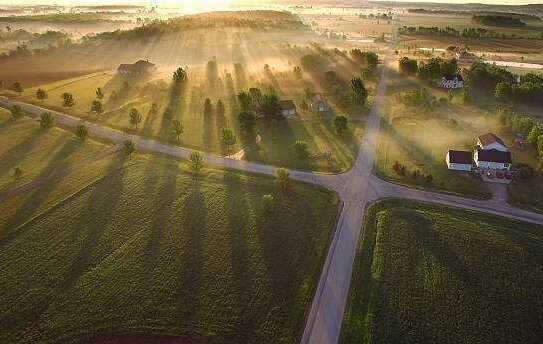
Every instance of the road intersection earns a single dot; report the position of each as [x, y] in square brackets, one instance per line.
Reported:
[357, 189]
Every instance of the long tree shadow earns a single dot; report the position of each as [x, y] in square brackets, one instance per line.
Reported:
[7, 124]
[12, 156]
[101, 209]
[58, 160]
[190, 280]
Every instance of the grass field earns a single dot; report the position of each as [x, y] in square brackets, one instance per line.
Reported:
[36, 151]
[148, 249]
[203, 132]
[420, 139]
[427, 274]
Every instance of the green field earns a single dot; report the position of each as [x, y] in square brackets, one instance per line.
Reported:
[36, 151]
[149, 249]
[428, 274]
[420, 139]
[203, 133]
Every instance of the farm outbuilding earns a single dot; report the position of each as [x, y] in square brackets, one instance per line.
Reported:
[459, 160]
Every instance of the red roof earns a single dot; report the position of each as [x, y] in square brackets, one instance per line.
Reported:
[490, 138]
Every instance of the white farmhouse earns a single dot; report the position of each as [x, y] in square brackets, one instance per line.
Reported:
[459, 160]
[490, 141]
[451, 81]
[492, 159]
[319, 104]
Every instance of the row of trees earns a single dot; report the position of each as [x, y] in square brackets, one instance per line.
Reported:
[465, 33]
[506, 86]
[435, 68]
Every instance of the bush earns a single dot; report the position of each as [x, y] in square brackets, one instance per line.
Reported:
[47, 120]
[267, 203]
[300, 148]
[340, 123]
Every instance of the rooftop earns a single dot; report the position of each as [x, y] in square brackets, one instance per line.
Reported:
[492, 155]
[460, 157]
[490, 138]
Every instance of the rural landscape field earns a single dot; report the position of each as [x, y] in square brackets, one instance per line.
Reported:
[228, 171]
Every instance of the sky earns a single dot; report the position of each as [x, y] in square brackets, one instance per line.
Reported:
[198, 3]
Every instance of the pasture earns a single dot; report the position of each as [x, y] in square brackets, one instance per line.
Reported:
[37, 151]
[431, 274]
[150, 249]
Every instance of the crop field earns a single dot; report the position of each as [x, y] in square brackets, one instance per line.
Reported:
[36, 151]
[420, 138]
[440, 275]
[150, 249]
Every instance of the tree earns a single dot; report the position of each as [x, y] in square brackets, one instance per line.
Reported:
[358, 90]
[196, 161]
[408, 66]
[282, 176]
[46, 120]
[129, 148]
[267, 203]
[17, 173]
[247, 120]
[537, 130]
[41, 94]
[220, 108]
[96, 107]
[153, 110]
[99, 93]
[269, 106]
[245, 101]
[467, 95]
[67, 99]
[540, 146]
[180, 76]
[18, 87]
[16, 111]
[82, 132]
[135, 117]
[228, 139]
[177, 129]
[341, 123]
[208, 107]
[300, 147]
[503, 91]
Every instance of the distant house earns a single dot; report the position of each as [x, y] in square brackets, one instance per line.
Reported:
[319, 104]
[288, 108]
[451, 81]
[459, 160]
[490, 141]
[492, 159]
[138, 68]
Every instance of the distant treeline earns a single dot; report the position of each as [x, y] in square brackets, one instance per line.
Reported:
[495, 20]
[257, 20]
[466, 32]
[34, 42]
[521, 16]
[60, 18]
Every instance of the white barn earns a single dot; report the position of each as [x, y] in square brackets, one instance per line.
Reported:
[459, 160]
[451, 81]
[492, 159]
[490, 141]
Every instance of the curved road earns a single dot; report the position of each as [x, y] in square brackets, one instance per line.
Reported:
[356, 188]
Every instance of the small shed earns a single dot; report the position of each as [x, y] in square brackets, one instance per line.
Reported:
[288, 108]
[319, 104]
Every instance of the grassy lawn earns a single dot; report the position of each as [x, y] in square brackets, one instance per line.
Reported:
[428, 274]
[36, 151]
[202, 131]
[420, 139]
[151, 250]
